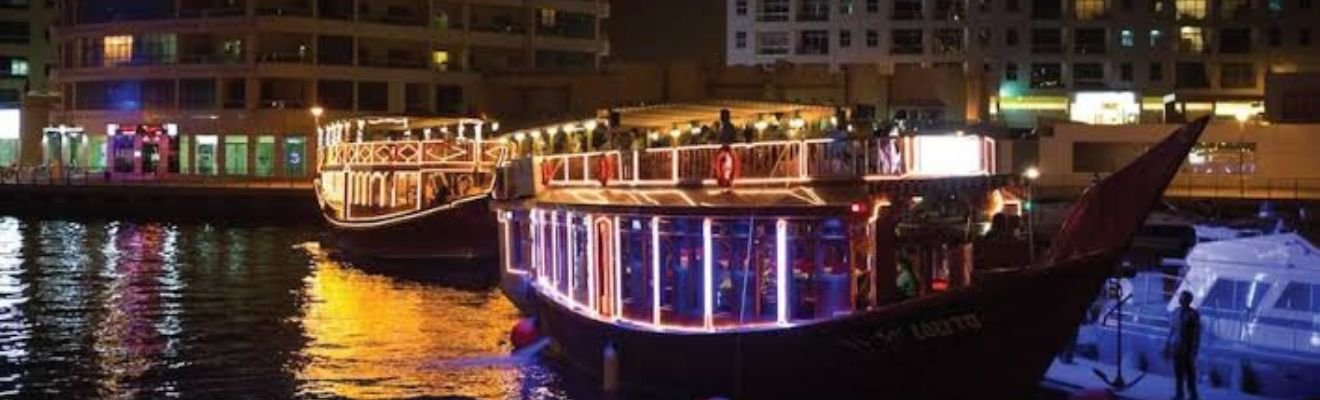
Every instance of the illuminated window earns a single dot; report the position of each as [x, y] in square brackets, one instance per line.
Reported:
[1104, 108]
[117, 50]
[846, 7]
[1191, 40]
[205, 154]
[265, 155]
[295, 156]
[236, 155]
[1156, 39]
[1191, 9]
[18, 67]
[1090, 9]
[549, 17]
[440, 59]
[1223, 158]
[1126, 38]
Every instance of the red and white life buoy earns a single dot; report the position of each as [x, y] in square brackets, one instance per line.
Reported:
[547, 172]
[604, 169]
[726, 166]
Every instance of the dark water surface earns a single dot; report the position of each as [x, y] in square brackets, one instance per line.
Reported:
[104, 309]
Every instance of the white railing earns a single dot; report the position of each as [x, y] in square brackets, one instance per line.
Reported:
[380, 181]
[760, 163]
[1188, 185]
[414, 153]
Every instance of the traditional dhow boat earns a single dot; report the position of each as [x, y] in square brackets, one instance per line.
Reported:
[773, 252]
[410, 188]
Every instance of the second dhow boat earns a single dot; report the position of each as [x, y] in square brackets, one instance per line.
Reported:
[403, 188]
[807, 263]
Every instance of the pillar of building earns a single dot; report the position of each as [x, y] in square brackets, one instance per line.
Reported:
[34, 117]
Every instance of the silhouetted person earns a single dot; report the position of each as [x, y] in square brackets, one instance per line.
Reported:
[1183, 341]
[728, 133]
[906, 281]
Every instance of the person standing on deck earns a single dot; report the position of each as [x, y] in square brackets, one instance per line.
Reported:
[1182, 344]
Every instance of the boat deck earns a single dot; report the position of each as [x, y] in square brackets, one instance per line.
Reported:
[1080, 376]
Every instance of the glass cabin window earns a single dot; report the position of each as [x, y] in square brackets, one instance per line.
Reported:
[1235, 295]
[1299, 296]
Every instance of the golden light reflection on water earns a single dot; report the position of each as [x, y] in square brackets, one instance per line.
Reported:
[372, 336]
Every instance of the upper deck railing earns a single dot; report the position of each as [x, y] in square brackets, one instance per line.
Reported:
[773, 162]
[459, 154]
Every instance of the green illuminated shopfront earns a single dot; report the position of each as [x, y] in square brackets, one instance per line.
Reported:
[154, 151]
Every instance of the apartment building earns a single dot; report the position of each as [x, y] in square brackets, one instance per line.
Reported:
[153, 88]
[27, 55]
[1092, 61]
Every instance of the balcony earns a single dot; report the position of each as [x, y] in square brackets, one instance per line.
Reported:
[770, 163]
[393, 54]
[285, 8]
[393, 12]
[506, 20]
[290, 49]
[211, 9]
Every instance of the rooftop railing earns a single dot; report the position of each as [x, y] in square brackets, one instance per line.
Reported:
[763, 163]
[461, 153]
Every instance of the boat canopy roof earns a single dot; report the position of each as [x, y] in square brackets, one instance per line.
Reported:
[1287, 251]
[664, 118]
[360, 128]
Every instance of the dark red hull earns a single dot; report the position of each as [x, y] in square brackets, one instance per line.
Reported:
[990, 341]
[466, 232]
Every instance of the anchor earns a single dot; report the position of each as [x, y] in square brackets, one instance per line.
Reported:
[1119, 384]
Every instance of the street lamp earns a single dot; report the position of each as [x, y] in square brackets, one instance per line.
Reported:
[317, 111]
[1032, 173]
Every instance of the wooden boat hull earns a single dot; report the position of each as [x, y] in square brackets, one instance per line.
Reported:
[990, 341]
[468, 231]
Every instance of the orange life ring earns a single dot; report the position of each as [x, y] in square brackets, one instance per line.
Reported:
[604, 169]
[547, 172]
[726, 166]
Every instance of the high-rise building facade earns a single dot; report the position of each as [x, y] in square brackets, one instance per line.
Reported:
[27, 55]
[1093, 61]
[227, 87]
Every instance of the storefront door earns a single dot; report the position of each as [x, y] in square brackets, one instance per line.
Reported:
[122, 154]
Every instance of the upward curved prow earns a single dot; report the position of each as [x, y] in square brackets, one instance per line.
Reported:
[1104, 219]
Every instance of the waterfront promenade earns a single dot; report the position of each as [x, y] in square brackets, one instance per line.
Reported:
[41, 192]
